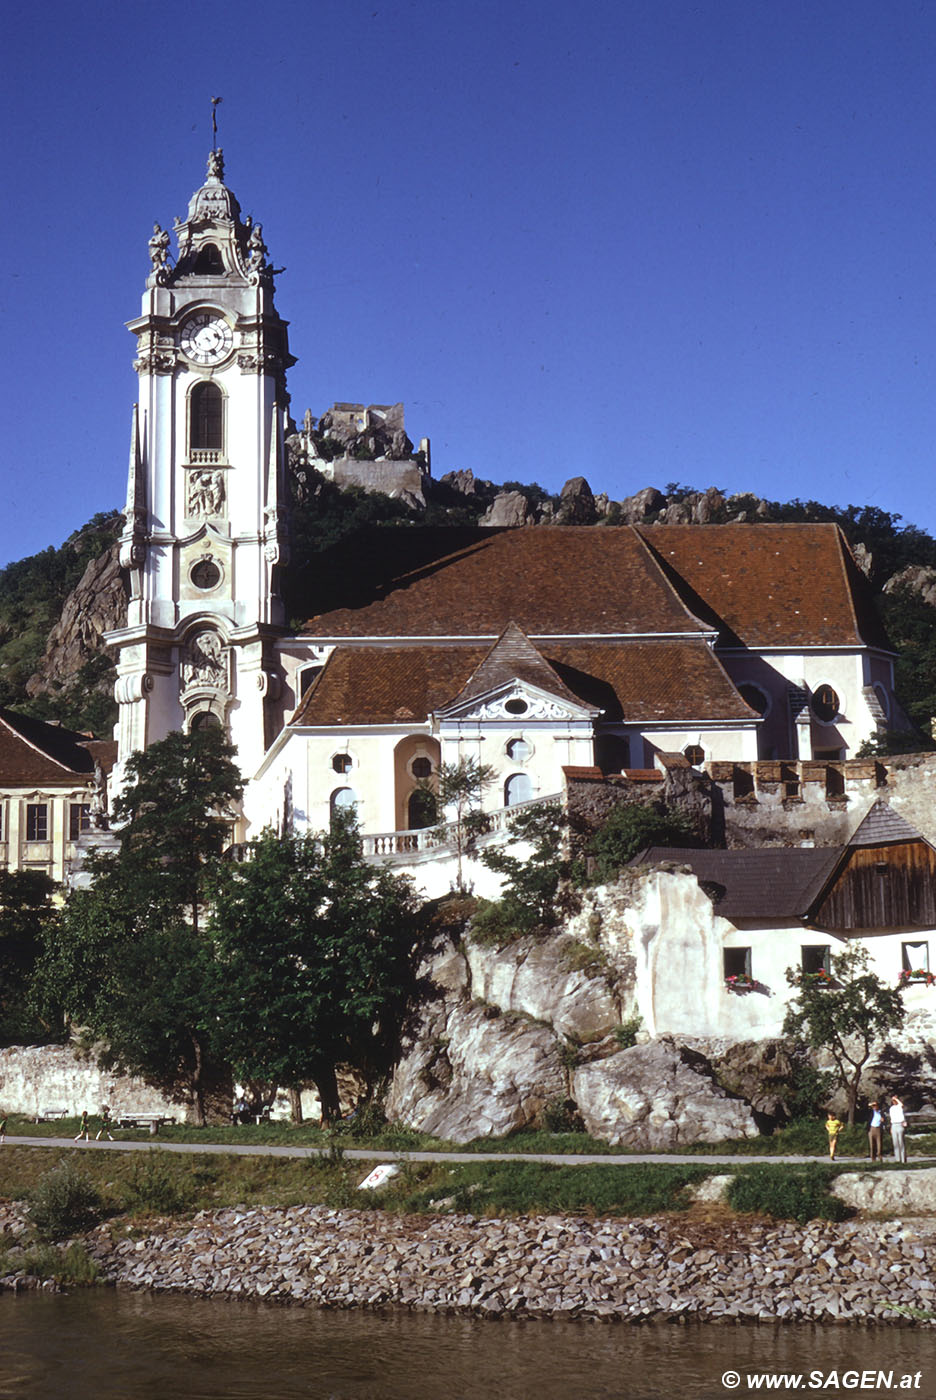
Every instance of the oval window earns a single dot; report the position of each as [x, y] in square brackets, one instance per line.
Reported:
[825, 704]
[516, 706]
[205, 574]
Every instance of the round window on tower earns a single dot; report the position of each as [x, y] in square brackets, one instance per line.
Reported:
[825, 703]
[205, 575]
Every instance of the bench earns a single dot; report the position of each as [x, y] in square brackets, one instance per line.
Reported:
[152, 1121]
[52, 1115]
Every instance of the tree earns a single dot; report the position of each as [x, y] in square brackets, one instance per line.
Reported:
[531, 897]
[846, 1013]
[459, 787]
[631, 828]
[316, 953]
[128, 962]
[26, 912]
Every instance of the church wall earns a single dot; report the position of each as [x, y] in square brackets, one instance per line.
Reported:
[718, 744]
[775, 672]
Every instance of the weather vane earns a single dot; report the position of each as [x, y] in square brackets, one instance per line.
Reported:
[214, 120]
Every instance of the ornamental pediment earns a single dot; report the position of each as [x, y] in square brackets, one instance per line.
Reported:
[519, 702]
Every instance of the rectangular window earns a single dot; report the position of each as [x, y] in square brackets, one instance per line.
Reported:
[816, 959]
[79, 819]
[37, 821]
[737, 962]
[914, 957]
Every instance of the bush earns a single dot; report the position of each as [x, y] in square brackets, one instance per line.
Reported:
[154, 1187]
[786, 1193]
[630, 829]
[63, 1203]
[626, 1033]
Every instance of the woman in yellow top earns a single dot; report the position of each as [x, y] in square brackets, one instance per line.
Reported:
[833, 1127]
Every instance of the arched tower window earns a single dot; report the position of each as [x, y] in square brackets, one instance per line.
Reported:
[206, 417]
[208, 261]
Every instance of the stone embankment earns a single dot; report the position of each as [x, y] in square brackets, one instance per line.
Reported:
[553, 1266]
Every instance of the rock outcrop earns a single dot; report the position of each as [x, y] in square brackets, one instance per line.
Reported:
[653, 1097]
[96, 605]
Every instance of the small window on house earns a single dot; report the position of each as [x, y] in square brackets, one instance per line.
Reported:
[914, 957]
[737, 962]
[342, 763]
[206, 417]
[825, 703]
[307, 675]
[518, 788]
[815, 958]
[79, 819]
[421, 767]
[695, 754]
[37, 821]
[421, 810]
[517, 706]
[519, 750]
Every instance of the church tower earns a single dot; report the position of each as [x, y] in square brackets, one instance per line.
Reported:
[205, 532]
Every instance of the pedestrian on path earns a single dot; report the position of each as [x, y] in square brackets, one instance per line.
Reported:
[84, 1129]
[833, 1127]
[2, 1128]
[898, 1124]
[105, 1125]
[876, 1133]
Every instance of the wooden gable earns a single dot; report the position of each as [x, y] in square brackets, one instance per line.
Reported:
[888, 886]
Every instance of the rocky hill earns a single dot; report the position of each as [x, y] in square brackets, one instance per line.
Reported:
[55, 606]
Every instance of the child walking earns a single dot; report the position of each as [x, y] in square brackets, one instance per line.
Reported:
[84, 1130]
[105, 1125]
[833, 1127]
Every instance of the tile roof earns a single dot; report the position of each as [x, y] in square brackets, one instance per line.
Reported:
[550, 580]
[33, 753]
[778, 882]
[639, 682]
[513, 657]
[882, 825]
[770, 585]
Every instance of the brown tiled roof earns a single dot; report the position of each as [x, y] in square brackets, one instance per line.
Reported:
[632, 681]
[643, 682]
[513, 657]
[770, 585]
[552, 581]
[386, 685]
[35, 753]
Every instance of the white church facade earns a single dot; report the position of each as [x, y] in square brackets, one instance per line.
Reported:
[530, 650]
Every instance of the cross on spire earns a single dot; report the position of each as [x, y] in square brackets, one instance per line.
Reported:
[214, 120]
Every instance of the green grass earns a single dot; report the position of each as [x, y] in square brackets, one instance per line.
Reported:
[786, 1192]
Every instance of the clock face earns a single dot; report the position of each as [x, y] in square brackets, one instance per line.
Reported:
[206, 338]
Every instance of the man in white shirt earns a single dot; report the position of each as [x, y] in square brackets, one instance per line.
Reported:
[898, 1121]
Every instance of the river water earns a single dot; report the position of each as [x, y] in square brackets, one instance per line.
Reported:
[132, 1346]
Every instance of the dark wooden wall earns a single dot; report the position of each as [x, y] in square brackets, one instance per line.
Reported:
[881, 887]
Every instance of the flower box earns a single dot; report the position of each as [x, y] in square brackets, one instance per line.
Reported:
[918, 974]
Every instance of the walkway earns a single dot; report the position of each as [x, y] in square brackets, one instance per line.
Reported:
[379, 1154]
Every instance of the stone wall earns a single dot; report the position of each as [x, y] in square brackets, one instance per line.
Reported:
[34, 1078]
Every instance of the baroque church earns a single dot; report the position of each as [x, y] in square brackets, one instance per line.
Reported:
[533, 650]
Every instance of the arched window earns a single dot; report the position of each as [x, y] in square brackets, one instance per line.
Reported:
[518, 788]
[421, 810]
[208, 261]
[204, 719]
[206, 417]
[343, 799]
[307, 675]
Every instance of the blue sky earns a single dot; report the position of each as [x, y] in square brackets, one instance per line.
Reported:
[643, 242]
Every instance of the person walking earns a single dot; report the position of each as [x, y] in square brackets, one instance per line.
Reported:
[105, 1125]
[898, 1124]
[833, 1127]
[3, 1118]
[876, 1132]
[84, 1128]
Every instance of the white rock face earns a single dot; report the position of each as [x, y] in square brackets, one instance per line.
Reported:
[648, 1097]
[533, 976]
[474, 1073]
[37, 1077]
[889, 1193]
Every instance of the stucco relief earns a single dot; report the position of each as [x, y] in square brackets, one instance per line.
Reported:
[204, 662]
[206, 493]
[534, 707]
